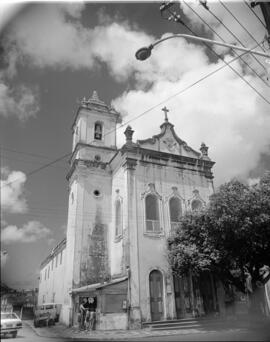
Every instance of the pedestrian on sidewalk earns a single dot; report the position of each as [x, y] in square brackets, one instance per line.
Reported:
[83, 309]
[90, 316]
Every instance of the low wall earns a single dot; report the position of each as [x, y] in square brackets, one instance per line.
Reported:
[65, 315]
[112, 321]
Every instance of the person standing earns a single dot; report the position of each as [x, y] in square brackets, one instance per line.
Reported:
[83, 308]
[91, 313]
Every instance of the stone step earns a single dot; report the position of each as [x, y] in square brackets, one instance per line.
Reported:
[185, 323]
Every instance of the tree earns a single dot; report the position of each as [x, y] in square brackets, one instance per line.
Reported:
[231, 237]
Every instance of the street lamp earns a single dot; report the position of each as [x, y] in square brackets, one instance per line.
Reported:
[145, 52]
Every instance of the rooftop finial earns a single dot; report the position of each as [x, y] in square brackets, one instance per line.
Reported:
[165, 110]
[95, 96]
[129, 133]
[204, 149]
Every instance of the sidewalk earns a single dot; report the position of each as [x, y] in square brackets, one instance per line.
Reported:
[60, 330]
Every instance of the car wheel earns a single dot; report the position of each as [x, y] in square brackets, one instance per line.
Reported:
[14, 334]
[50, 322]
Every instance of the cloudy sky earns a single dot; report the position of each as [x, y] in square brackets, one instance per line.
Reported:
[54, 54]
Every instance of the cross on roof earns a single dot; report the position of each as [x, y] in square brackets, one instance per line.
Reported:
[165, 110]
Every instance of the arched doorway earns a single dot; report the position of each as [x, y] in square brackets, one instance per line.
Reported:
[156, 295]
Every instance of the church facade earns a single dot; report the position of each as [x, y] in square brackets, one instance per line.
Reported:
[123, 205]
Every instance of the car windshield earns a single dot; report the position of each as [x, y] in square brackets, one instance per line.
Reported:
[8, 316]
[49, 307]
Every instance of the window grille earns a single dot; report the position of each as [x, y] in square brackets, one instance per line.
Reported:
[152, 214]
[196, 205]
[175, 212]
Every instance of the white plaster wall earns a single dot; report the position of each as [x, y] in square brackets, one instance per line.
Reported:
[113, 321]
[116, 246]
[55, 282]
[70, 246]
[152, 250]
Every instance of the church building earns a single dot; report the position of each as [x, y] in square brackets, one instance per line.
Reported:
[123, 205]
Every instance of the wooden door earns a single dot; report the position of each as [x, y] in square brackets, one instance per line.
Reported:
[156, 295]
[208, 293]
[182, 294]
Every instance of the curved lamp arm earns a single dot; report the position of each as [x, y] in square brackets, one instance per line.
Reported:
[145, 52]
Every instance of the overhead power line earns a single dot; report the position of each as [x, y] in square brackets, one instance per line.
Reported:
[239, 41]
[38, 169]
[195, 12]
[243, 27]
[235, 71]
[138, 116]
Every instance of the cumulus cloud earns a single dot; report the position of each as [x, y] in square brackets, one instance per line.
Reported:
[12, 191]
[20, 101]
[30, 232]
[223, 111]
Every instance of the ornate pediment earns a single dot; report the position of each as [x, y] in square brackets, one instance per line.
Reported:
[167, 141]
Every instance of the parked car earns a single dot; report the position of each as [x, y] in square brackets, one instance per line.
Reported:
[47, 313]
[10, 323]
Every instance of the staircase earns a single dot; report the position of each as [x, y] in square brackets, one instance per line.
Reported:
[188, 323]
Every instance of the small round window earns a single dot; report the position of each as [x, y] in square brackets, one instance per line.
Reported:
[96, 193]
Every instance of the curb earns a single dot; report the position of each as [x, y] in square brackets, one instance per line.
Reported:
[128, 337]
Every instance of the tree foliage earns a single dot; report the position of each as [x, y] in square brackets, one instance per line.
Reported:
[231, 237]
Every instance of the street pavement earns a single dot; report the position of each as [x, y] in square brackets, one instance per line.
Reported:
[27, 334]
[59, 332]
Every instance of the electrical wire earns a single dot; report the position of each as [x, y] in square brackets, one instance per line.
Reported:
[235, 71]
[224, 41]
[230, 31]
[30, 162]
[26, 153]
[263, 24]
[38, 169]
[162, 102]
[243, 27]
[140, 115]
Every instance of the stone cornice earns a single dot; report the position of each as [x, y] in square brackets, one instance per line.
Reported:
[130, 164]
[81, 145]
[58, 248]
[90, 164]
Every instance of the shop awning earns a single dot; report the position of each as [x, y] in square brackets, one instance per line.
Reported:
[93, 287]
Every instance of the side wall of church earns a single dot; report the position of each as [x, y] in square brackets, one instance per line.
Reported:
[51, 284]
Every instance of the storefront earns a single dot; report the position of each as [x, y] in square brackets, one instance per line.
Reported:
[111, 303]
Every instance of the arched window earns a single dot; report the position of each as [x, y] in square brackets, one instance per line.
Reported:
[98, 131]
[118, 218]
[152, 213]
[175, 209]
[196, 205]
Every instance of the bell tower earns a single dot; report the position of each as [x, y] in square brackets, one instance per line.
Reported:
[95, 124]
[89, 208]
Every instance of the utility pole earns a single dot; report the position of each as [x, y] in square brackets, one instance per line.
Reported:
[265, 8]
